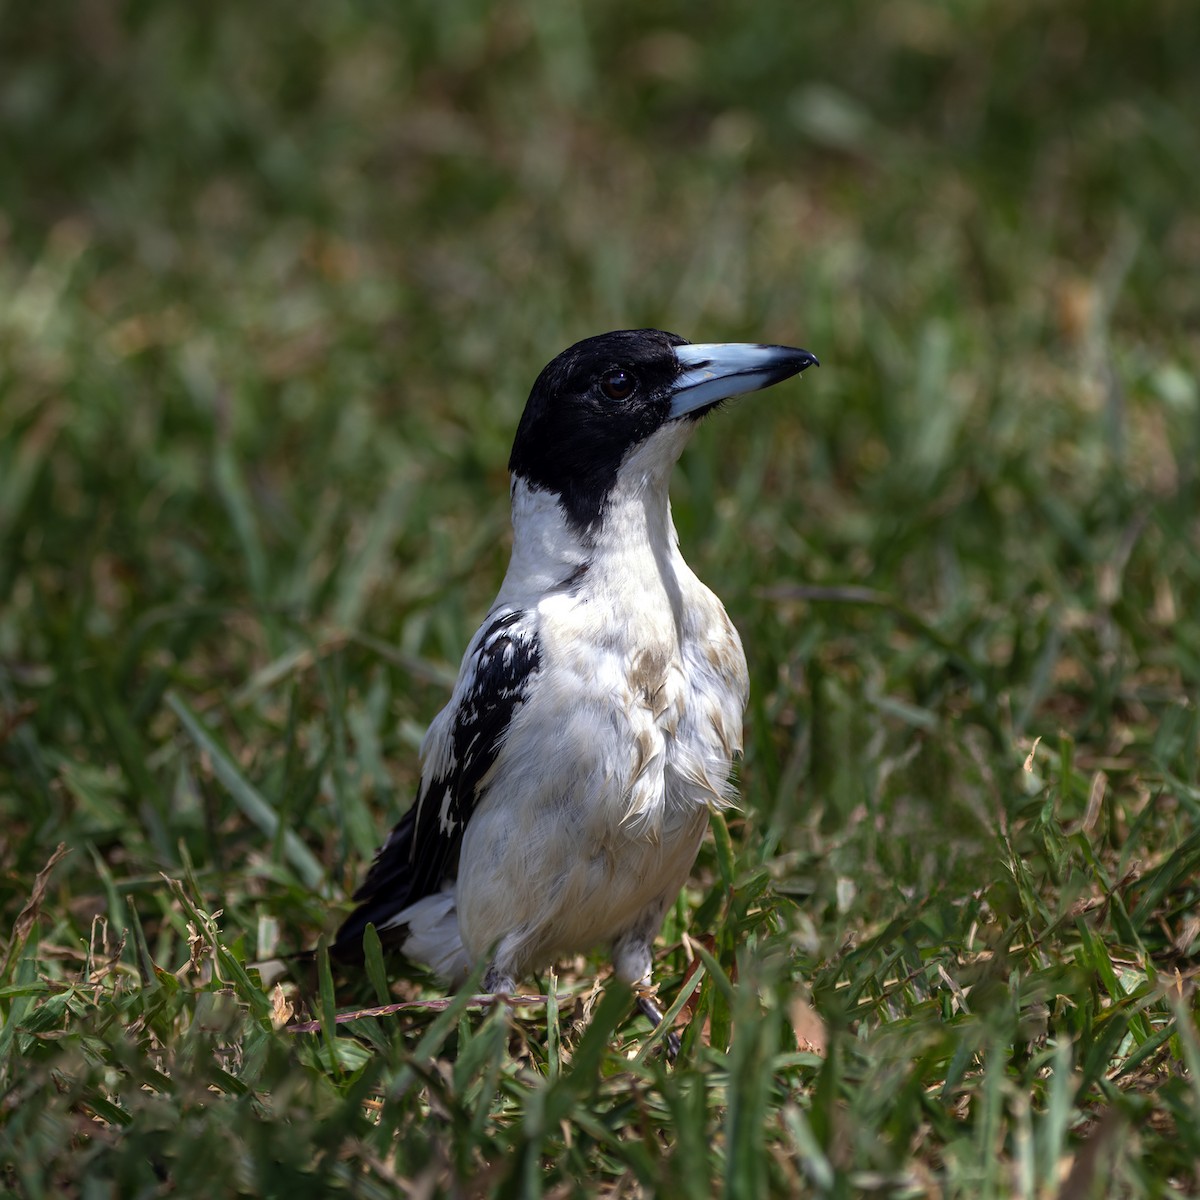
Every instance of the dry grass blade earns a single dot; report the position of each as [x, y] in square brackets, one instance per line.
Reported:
[33, 907]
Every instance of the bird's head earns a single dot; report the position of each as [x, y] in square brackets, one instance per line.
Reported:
[604, 398]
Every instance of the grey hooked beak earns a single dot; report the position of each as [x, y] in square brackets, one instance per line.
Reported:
[714, 371]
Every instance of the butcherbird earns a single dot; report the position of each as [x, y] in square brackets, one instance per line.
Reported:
[566, 786]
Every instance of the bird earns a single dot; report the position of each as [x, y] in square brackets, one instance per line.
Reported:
[566, 787]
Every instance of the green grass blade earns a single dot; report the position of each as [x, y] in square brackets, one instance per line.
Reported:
[246, 796]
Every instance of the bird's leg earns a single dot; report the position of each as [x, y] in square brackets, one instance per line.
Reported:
[633, 963]
[647, 1002]
[497, 983]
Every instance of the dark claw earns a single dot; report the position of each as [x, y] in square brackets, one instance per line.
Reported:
[671, 1043]
[654, 1014]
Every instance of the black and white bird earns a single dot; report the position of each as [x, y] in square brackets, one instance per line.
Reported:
[566, 786]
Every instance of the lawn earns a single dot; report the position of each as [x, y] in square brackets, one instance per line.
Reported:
[274, 283]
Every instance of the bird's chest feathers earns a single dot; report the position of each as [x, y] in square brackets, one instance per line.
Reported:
[642, 681]
[652, 684]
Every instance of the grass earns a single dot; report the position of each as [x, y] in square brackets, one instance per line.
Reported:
[274, 283]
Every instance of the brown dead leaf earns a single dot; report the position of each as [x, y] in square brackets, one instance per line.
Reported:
[810, 1029]
[33, 906]
[281, 1008]
[1075, 302]
[1032, 752]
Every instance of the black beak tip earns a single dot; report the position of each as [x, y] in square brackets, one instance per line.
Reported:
[794, 361]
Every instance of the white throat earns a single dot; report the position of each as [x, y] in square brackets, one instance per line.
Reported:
[635, 523]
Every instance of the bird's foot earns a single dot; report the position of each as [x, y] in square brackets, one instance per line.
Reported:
[647, 1002]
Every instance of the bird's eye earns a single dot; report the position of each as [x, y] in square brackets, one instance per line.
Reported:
[618, 384]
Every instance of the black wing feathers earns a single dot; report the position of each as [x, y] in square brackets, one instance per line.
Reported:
[421, 852]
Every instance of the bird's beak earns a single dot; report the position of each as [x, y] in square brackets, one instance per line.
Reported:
[714, 371]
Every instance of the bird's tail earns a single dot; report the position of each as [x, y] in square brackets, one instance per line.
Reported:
[425, 932]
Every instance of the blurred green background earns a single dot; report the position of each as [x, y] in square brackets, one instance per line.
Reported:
[274, 283]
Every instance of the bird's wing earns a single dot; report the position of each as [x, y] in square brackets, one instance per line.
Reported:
[421, 853]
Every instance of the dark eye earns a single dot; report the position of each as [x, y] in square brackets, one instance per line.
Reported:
[618, 384]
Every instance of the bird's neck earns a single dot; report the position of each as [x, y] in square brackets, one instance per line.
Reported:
[634, 536]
